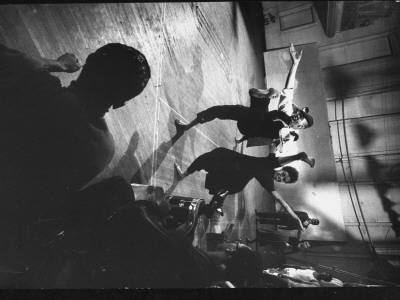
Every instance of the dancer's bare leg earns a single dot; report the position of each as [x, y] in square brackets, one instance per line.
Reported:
[270, 93]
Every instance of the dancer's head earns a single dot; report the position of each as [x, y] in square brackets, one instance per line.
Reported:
[287, 174]
[301, 119]
[112, 75]
[324, 276]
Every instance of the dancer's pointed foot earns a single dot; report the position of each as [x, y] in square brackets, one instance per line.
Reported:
[312, 162]
[179, 171]
[262, 94]
[309, 160]
[180, 127]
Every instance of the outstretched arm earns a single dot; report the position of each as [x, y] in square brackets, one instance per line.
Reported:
[284, 160]
[286, 207]
[21, 62]
[286, 99]
[296, 57]
[67, 62]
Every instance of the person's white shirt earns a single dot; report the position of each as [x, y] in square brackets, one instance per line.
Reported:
[286, 101]
[300, 274]
[304, 275]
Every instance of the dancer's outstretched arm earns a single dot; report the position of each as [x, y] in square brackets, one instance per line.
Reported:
[286, 99]
[296, 57]
[284, 160]
[286, 207]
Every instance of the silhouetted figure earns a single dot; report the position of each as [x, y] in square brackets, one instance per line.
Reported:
[143, 254]
[119, 242]
[54, 138]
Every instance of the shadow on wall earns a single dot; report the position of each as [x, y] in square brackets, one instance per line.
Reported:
[254, 21]
[128, 159]
[235, 7]
[340, 83]
[376, 169]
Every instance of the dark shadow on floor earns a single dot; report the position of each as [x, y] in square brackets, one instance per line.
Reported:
[192, 82]
[129, 159]
[160, 153]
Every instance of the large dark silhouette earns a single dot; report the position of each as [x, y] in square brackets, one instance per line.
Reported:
[54, 138]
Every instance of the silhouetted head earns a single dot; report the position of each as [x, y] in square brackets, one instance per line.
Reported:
[314, 221]
[112, 75]
[287, 174]
[244, 267]
[324, 276]
[301, 119]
